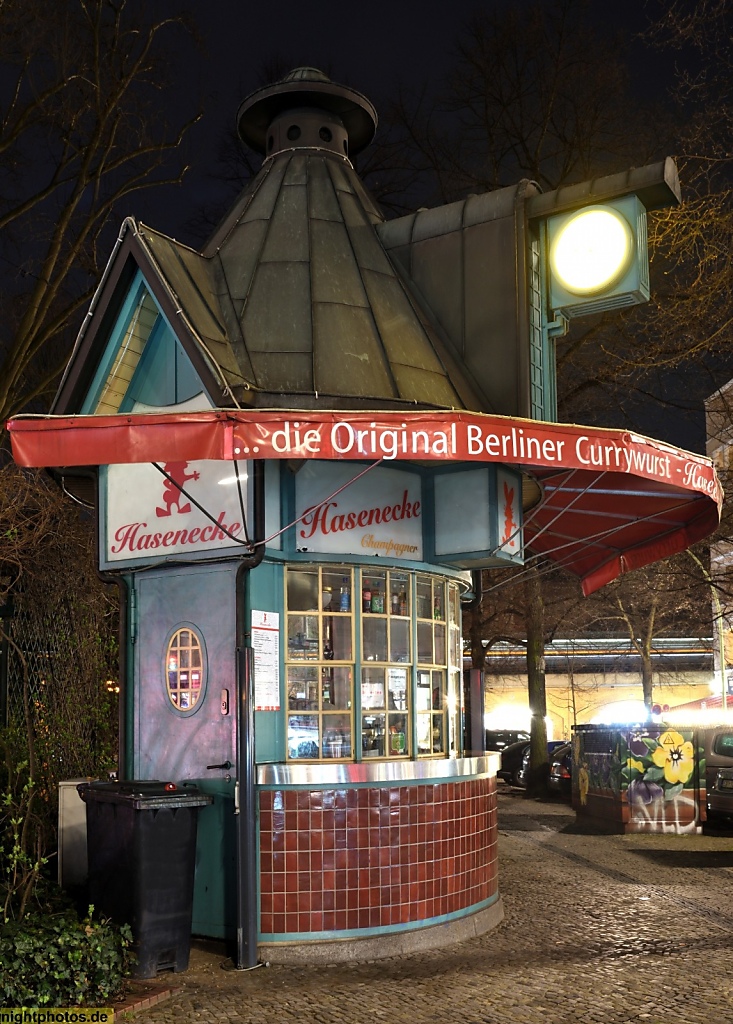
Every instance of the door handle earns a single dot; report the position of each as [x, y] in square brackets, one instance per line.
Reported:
[226, 766]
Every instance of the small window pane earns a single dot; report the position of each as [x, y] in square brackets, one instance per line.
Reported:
[302, 637]
[425, 643]
[439, 632]
[438, 600]
[303, 736]
[302, 688]
[397, 688]
[336, 736]
[399, 640]
[438, 734]
[455, 645]
[398, 746]
[424, 693]
[424, 597]
[373, 692]
[339, 586]
[424, 734]
[399, 593]
[455, 607]
[341, 638]
[373, 593]
[336, 688]
[372, 735]
[438, 690]
[303, 595]
[375, 639]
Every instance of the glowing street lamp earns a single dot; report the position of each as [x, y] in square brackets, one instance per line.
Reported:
[587, 253]
[597, 258]
[591, 250]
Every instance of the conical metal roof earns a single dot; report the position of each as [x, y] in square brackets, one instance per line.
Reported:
[294, 300]
[312, 302]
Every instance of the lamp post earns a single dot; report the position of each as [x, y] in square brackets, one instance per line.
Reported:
[719, 618]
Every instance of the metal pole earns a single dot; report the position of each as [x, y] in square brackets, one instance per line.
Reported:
[246, 830]
[719, 617]
[246, 810]
[721, 647]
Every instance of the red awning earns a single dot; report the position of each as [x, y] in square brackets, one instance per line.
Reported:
[712, 702]
[612, 501]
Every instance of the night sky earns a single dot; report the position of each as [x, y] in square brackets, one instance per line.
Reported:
[376, 47]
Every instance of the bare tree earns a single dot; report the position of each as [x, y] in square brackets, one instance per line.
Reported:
[666, 599]
[685, 332]
[534, 92]
[82, 128]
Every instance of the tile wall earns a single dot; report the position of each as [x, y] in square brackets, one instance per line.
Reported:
[368, 858]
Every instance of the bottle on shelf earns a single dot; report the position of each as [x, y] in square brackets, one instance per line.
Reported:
[344, 596]
[403, 602]
[366, 597]
[327, 645]
[377, 600]
[326, 686]
[395, 603]
[397, 739]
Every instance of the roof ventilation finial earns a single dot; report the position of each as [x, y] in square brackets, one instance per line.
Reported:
[306, 88]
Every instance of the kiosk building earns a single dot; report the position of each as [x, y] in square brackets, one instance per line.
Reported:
[304, 438]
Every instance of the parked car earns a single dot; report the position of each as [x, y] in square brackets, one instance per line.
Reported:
[720, 795]
[717, 743]
[499, 739]
[511, 762]
[515, 761]
[561, 771]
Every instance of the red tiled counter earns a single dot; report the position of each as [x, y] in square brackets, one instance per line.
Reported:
[363, 853]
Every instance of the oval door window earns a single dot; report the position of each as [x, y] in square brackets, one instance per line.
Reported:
[185, 668]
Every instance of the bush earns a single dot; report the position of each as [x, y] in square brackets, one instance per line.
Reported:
[24, 830]
[59, 960]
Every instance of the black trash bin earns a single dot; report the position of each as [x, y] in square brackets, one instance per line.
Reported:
[141, 841]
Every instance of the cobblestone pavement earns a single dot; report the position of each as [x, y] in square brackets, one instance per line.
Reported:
[607, 929]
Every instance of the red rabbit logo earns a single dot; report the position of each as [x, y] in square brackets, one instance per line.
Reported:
[510, 526]
[172, 488]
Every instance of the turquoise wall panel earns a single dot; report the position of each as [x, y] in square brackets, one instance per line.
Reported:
[266, 595]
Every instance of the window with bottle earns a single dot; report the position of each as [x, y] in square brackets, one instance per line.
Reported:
[320, 669]
[386, 663]
[406, 656]
[431, 692]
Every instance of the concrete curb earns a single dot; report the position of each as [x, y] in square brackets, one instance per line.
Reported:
[379, 947]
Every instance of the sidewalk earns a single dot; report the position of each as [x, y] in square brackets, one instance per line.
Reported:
[607, 929]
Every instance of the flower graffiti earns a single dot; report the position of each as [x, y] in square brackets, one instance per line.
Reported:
[645, 779]
[658, 767]
[675, 756]
[643, 792]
